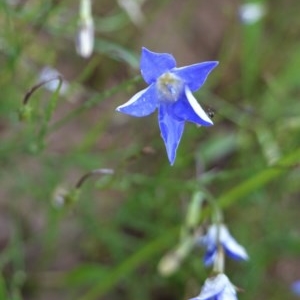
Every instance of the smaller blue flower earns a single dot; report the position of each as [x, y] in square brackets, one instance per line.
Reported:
[217, 288]
[170, 91]
[295, 287]
[220, 234]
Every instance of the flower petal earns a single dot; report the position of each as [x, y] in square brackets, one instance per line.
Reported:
[213, 287]
[195, 75]
[141, 104]
[229, 293]
[155, 64]
[187, 108]
[171, 130]
[295, 287]
[231, 246]
[210, 256]
[234, 250]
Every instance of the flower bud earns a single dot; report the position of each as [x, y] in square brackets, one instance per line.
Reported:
[85, 34]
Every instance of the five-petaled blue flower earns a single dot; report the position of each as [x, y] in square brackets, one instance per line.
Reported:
[217, 288]
[219, 234]
[170, 90]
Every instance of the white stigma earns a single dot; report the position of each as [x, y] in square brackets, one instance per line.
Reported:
[169, 87]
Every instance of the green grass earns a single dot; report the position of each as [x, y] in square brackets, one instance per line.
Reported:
[108, 242]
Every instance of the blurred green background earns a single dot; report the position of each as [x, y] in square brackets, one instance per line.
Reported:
[108, 244]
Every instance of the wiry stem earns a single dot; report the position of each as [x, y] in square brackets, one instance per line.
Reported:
[40, 84]
[92, 173]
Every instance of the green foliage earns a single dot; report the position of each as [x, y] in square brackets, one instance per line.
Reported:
[109, 241]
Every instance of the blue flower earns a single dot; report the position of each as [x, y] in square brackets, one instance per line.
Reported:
[170, 91]
[217, 288]
[295, 287]
[219, 234]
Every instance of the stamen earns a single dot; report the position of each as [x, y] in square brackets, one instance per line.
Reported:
[169, 87]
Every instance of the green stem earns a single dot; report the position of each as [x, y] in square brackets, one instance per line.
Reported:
[217, 212]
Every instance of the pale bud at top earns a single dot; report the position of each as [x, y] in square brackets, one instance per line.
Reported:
[85, 34]
[251, 13]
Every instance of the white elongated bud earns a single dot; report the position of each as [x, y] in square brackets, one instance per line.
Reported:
[86, 31]
[250, 13]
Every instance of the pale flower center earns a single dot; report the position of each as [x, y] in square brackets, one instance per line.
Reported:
[169, 87]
